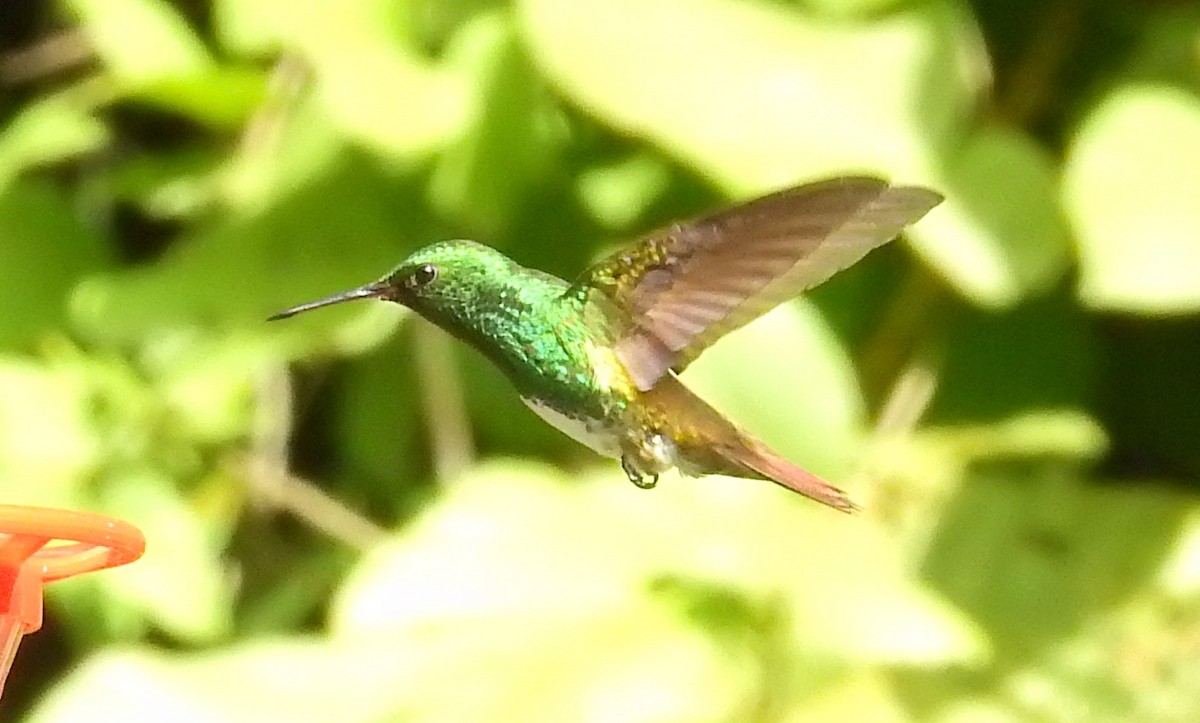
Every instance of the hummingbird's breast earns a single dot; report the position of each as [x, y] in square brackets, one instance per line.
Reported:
[598, 434]
[586, 393]
[566, 372]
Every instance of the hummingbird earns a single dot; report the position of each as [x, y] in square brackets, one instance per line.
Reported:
[599, 357]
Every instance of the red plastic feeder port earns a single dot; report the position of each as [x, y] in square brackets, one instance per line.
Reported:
[39, 545]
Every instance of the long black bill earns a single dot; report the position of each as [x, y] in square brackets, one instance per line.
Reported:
[375, 289]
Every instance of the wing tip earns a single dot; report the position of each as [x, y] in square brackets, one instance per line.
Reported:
[911, 201]
[918, 199]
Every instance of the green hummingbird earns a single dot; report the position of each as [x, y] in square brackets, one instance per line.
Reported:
[598, 358]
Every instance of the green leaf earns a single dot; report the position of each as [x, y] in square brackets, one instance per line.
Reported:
[857, 697]
[634, 665]
[378, 421]
[1131, 194]
[577, 608]
[1001, 235]
[220, 97]
[207, 386]
[842, 582]
[294, 680]
[852, 8]
[1091, 676]
[45, 250]
[317, 28]
[47, 446]
[1058, 433]
[140, 41]
[484, 553]
[493, 523]
[172, 184]
[56, 127]
[989, 373]
[391, 104]
[1024, 554]
[631, 667]
[334, 232]
[482, 180]
[376, 88]
[181, 584]
[617, 194]
[757, 97]
[802, 398]
[1180, 574]
[1166, 52]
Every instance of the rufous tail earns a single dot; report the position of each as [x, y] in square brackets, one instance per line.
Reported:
[756, 456]
[714, 445]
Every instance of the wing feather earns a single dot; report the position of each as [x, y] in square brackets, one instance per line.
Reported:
[687, 285]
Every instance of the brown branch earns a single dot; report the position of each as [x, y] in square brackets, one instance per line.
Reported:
[52, 54]
[272, 486]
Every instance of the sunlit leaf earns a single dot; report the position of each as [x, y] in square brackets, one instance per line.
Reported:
[1130, 184]
[1131, 663]
[391, 104]
[180, 584]
[57, 127]
[301, 146]
[1001, 236]
[1060, 433]
[482, 553]
[220, 97]
[851, 8]
[757, 96]
[496, 525]
[802, 397]
[140, 41]
[317, 27]
[1023, 555]
[842, 581]
[46, 443]
[486, 572]
[975, 708]
[623, 668]
[616, 194]
[1180, 574]
[210, 387]
[294, 680]
[376, 88]
[858, 697]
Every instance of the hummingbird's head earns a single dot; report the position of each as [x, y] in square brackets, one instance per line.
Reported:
[439, 280]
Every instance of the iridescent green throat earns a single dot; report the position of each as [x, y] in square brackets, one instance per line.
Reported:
[520, 319]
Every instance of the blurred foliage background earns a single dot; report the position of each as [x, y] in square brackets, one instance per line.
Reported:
[352, 518]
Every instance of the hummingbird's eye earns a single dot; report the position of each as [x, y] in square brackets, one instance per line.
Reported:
[422, 276]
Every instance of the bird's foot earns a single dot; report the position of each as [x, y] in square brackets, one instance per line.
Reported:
[639, 480]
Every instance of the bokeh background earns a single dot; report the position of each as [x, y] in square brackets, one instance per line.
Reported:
[351, 517]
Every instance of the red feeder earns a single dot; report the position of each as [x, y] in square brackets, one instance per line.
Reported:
[39, 545]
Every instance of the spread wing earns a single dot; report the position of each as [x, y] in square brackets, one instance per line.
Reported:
[687, 285]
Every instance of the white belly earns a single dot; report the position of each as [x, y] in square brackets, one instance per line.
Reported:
[591, 433]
